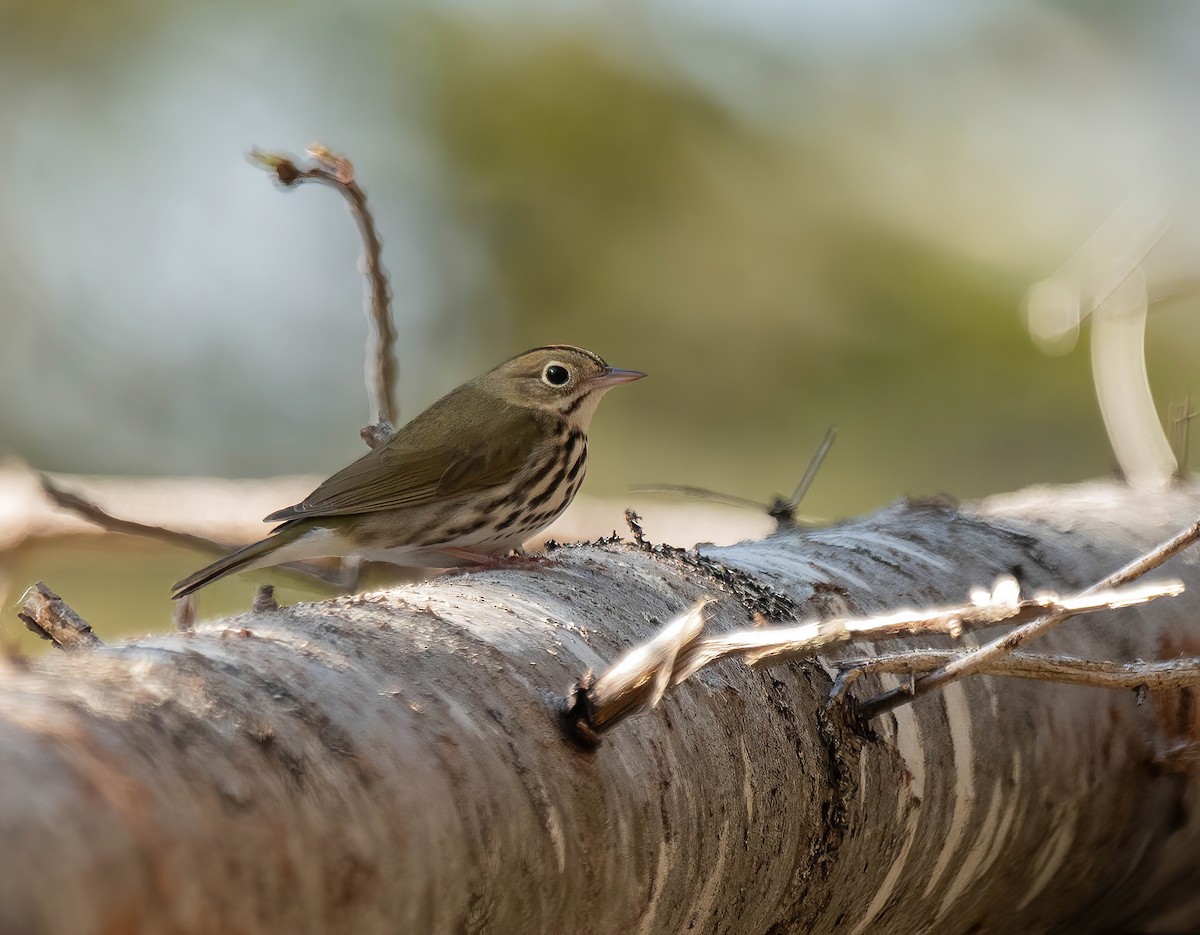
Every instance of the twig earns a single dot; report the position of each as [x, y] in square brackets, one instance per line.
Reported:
[1107, 280]
[1067, 669]
[1100, 268]
[784, 511]
[380, 368]
[977, 659]
[637, 680]
[47, 615]
[93, 513]
[264, 600]
[1180, 414]
[781, 510]
[1002, 605]
[90, 511]
[183, 613]
[701, 493]
[1123, 390]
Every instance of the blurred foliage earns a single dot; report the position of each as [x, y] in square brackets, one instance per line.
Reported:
[630, 211]
[788, 217]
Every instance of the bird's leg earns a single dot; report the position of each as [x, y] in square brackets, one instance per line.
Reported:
[463, 556]
[519, 558]
[481, 561]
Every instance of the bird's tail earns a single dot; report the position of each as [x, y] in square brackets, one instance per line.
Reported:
[254, 555]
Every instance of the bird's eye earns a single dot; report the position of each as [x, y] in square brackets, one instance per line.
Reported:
[556, 374]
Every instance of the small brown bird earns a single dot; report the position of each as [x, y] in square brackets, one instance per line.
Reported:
[472, 477]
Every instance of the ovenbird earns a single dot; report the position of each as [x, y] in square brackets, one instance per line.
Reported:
[472, 477]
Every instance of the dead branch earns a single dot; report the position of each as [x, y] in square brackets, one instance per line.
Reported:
[1070, 670]
[636, 682]
[1180, 415]
[81, 506]
[380, 368]
[392, 736]
[93, 513]
[690, 492]
[1002, 646]
[264, 600]
[392, 761]
[782, 511]
[639, 679]
[1106, 281]
[183, 613]
[47, 615]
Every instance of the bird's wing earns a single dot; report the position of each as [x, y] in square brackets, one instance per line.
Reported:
[397, 474]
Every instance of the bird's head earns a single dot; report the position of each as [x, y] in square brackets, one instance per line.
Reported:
[560, 379]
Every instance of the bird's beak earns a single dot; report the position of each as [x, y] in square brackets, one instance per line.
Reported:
[612, 376]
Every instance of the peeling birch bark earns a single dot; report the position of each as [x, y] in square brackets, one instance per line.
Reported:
[393, 761]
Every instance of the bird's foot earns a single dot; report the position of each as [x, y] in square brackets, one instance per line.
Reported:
[519, 558]
[476, 561]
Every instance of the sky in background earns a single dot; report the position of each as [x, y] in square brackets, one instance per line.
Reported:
[790, 215]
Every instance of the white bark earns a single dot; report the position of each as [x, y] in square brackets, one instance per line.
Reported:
[392, 762]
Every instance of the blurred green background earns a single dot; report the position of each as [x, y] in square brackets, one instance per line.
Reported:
[789, 214]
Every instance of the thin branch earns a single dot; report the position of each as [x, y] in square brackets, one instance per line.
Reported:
[636, 682]
[1068, 669]
[1180, 415]
[1107, 280]
[784, 512]
[380, 368]
[81, 506]
[183, 613]
[774, 645]
[781, 510]
[264, 600]
[979, 658]
[1124, 241]
[1123, 390]
[701, 493]
[47, 615]
[1155, 237]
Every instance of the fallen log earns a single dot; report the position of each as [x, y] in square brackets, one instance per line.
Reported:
[396, 761]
